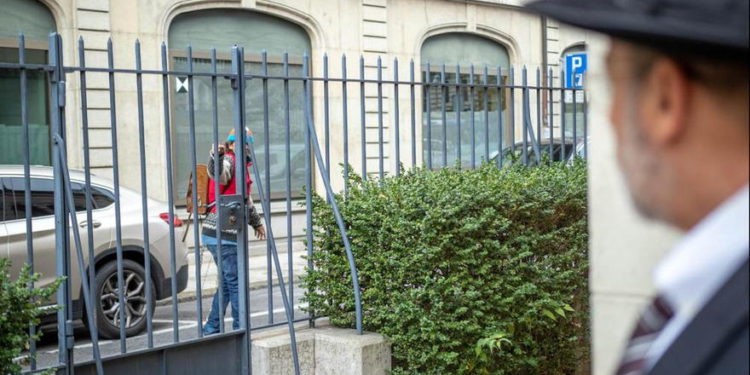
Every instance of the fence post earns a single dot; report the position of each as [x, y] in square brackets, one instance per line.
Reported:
[65, 340]
[238, 88]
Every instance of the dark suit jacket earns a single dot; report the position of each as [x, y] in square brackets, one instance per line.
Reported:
[716, 341]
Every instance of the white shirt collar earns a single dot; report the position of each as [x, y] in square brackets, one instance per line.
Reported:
[700, 264]
[707, 255]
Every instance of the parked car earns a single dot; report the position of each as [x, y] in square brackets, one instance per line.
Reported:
[582, 149]
[544, 149]
[13, 244]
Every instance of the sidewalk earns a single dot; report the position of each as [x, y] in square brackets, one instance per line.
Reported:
[257, 264]
[257, 254]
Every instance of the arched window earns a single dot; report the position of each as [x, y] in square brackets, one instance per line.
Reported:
[36, 22]
[464, 50]
[221, 29]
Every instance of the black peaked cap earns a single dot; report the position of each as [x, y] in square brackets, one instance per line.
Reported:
[713, 28]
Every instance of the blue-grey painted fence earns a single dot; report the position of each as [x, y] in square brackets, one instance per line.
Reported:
[450, 94]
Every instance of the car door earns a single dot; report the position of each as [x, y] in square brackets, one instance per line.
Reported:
[43, 228]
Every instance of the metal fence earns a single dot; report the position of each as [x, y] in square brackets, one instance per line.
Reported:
[506, 124]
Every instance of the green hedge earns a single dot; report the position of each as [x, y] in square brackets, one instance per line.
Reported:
[19, 307]
[466, 272]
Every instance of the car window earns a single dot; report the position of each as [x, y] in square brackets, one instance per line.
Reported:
[42, 196]
[9, 211]
[101, 198]
[3, 214]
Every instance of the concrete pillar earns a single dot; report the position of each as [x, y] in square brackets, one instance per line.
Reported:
[321, 351]
[343, 351]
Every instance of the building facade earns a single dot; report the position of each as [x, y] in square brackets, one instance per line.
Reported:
[440, 32]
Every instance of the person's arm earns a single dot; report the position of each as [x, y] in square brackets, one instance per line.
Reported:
[226, 169]
[254, 219]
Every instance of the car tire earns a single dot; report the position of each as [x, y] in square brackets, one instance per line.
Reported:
[106, 306]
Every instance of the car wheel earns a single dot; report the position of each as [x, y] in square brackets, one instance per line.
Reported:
[107, 304]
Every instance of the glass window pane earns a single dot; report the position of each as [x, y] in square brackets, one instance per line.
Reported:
[11, 131]
[42, 196]
[256, 32]
[101, 198]
[28, 16]
[464, 49]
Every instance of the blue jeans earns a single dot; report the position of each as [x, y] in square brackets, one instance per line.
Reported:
[229, 285]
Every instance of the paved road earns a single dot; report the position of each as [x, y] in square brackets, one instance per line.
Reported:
[47, 350]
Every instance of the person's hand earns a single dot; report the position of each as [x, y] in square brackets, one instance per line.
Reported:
[260, 232]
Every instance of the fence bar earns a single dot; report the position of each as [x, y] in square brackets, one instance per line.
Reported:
[170, 189]
[574, 91]
[362, 116]
[381, 156]
[217, 185]
[87, 173]
[395, 116]
[345, 120]
[458, 107]
[266, 204]
[27, 184]
[528, 126]
[427, 101]
[500, 103]
[116, 180]
[267, 163]
[485, 76]
[308, 166]
[238, 88]
[562, 112]
[471, 121]
[196, 222]
[144, 200]
[524, 123]
[512, 107]
[65, 340]
[326, 116]
[339, 220]
[288, 160]
[551, 117]
[444, 98]
[539, 108]
[413, 115]
[85, 287]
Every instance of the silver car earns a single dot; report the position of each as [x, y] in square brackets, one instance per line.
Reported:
[13, 244]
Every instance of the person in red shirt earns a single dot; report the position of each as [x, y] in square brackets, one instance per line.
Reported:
[226, 252]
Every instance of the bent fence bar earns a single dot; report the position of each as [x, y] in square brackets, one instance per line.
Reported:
[459, 118]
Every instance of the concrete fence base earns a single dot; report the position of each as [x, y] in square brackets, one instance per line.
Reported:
[322, 351]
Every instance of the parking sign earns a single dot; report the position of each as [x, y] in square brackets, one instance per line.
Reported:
[575, 68]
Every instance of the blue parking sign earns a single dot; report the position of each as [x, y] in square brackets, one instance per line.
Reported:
[575, 69]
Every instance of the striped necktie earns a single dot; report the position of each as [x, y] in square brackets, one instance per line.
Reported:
[652, 321]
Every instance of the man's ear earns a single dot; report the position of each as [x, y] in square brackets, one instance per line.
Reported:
[664, 102]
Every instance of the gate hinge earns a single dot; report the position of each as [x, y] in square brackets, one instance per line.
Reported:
[61, 94]
[70, 338]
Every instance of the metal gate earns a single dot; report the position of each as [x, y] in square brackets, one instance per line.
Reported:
[490, 103]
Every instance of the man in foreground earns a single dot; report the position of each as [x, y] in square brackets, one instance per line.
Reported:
[679, 79]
